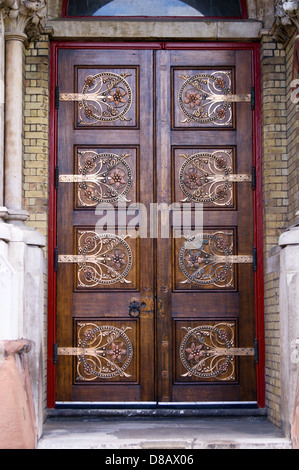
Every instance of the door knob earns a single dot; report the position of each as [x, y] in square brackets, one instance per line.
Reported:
[134, 309]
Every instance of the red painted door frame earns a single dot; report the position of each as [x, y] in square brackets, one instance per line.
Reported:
[258, 208]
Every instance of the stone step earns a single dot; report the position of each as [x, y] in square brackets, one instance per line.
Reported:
[162, 433]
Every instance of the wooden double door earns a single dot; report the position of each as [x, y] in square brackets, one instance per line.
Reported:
[150, 306]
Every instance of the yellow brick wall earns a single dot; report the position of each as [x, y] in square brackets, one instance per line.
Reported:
[36, 147]
[274, 165]
[279, 192]
[292, 138]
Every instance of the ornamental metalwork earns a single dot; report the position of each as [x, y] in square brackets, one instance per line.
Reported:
[103, 352]
[208, 178]
[102, 177]
[103, 259]
[208, 260]
[206, 98]
[208, 352]
[105, 97]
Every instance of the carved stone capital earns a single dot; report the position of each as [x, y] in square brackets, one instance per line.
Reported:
[24, 17]
[286, 20]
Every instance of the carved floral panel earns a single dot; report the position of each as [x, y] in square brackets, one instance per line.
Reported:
[207, 176]
[203, 351]
[201, 98]
[103, 261]
[103, 176]
[106, 351]
[104, 97]
[206, 261]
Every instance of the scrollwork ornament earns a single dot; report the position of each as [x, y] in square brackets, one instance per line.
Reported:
[201, 352]
[202, 98]
[106, 259]
[205, 261]
[108, 352]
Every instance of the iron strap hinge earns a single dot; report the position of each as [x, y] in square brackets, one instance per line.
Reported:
[55, 258]
[252, 98]
[55, 353]
[256, 350]
[253, 177]
[254, 256]
[56, 176]
[57, 97]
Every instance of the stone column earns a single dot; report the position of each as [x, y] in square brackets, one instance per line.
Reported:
[23, 21]
[13, 125]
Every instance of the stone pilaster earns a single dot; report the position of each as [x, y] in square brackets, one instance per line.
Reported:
[23, 21]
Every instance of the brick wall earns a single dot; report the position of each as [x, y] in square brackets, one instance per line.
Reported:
[279, 128]
[275, 200]
[36, 145]
[292, 138]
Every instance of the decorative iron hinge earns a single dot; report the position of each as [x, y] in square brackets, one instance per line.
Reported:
[254, 256]
[252, 98]
[256, 350]
[56, 176]
[56, 259]
[55, 353]
[232, 352]
[78, 352]
[240, 98]
[253, 177]
[57, 97]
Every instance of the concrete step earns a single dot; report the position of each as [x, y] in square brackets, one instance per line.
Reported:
[162, 433]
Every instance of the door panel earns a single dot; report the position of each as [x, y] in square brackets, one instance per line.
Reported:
[206, 307]
[105, 144]
[141, 318]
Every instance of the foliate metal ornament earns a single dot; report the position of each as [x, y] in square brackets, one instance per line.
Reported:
[206, 98]
[208, 178]
[208, 260]
[102, 177]
[103, 352]
[103, 259]
[208, 352]
[106, 97]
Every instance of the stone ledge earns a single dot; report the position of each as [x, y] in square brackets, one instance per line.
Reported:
[96, 30]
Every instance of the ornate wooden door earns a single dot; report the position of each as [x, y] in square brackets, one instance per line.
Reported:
[205, 281]
[105, 280]
[146, 318]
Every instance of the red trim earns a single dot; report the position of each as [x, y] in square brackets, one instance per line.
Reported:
[258, 226]
[258, 208]
[52, 229]
[243, 16]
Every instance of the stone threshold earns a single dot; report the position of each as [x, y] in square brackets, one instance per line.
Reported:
[154, 412]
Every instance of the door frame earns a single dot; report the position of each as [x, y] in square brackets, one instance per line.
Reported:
[254, 47]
